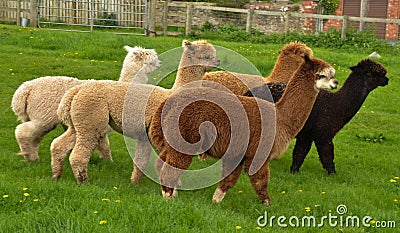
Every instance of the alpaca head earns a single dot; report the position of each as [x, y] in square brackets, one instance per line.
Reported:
[373, 73]
[323, 73]
[199, 53]
[139, 57]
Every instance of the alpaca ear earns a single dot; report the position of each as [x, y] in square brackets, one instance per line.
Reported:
[128, 48]
[186, 43]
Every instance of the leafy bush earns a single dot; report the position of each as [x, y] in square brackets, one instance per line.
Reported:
[355, 41]
[107, 19]
[232, 3]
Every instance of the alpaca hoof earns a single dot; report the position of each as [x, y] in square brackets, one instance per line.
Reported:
[331, 173]
[168, 196]
[294, 171]
[55, 178]
[218, 195]
[203, 157]
[266, 202]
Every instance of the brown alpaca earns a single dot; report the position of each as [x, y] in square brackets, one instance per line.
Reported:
[289, 59]
[228, 138]
[88, 109]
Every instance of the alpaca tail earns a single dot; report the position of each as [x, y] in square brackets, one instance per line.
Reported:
[20, 101]
[154, 130]
[64, 108]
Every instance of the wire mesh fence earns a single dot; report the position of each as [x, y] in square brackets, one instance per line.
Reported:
[129, 16]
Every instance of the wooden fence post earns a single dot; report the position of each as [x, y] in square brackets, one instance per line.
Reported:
[189, 19]
[152, 18]
[249, 21]
[344, 27]
[18, 12]
[33, 13]
[165, 16]
[287, 17]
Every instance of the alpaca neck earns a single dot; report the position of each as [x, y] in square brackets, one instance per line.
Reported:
[293, 109]
[128, 74]
[351, 96]
[188, 74]
[283, 70]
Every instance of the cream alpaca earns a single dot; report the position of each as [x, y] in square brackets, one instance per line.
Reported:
[88, 109]
[35, 102]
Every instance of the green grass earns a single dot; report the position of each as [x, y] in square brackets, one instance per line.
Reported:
[362, 183]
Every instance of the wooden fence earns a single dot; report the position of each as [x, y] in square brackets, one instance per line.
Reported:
[287, 21]
[161, 16]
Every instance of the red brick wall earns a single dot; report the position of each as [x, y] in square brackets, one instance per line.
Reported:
[309, 7]
[392, 30]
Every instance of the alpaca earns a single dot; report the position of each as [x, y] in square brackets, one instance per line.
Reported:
[229, 137]
[332, 111]
[35, 102]
[289, 59]
[88, 109]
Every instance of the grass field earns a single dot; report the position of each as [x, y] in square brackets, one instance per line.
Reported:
[367, 181]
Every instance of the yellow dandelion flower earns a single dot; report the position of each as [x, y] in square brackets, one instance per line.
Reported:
[238, 227]
[300, 190]
[323, 193]
[26, 194]
[35, 200]
[102, 222]
[308, 209]
[393, 181]
[24, 189]
[240, 191]
[330, 211]
[283, 192]
[20, 53]
[20, 201]
[317, 205]
[5, 196]
[118, 201]
[363, 106]
[95, 212]
[92, 60]
[372, 112]
[12, 73]
[372, 222]
[31, 37]
[10, 70]
[396, 177]
[258, 228]
[395, 201]
[115, 187]
[105, 199]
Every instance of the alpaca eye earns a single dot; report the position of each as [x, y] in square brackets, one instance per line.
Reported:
[321, 76]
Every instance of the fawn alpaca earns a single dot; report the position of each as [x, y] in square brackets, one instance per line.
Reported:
[88, 109]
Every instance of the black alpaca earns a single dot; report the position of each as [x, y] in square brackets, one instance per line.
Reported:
[332, 110]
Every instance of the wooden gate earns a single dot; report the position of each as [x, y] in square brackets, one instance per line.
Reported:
[125, 17]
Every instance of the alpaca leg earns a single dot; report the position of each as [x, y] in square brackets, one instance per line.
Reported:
[29, 135]
[59, 149]
[300, 151]
[175, 165]
[80, 157]
[228, 182]
[260, 181]
[326, 155]
[142, 155]
[104, 148]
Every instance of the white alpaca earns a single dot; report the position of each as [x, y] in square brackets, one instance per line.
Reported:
[88, 109]
[35, 102]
